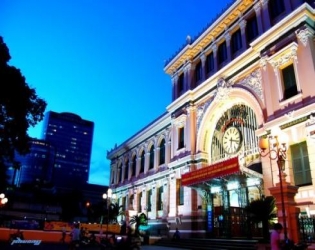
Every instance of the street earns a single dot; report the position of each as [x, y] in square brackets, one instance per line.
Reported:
[54, 246]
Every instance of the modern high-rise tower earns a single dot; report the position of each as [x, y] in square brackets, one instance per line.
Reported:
[71, 137]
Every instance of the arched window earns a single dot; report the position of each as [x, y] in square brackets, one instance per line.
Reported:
[151, 164]
[126, 170]
[134, 166]
[120, 169]
[142, 162]
[162, 152]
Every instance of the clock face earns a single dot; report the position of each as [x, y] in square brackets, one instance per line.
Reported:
[231, 140]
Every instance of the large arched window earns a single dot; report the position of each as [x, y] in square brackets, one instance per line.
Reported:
[142, 162]
[162, 152]
[151, 163]
[134, 166]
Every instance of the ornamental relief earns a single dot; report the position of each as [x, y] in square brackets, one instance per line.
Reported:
[304, 35]
[289, 55]
[254, 82]
[223, 90]
[201, 111]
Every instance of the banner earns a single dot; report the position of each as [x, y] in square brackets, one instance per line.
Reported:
[213, 171]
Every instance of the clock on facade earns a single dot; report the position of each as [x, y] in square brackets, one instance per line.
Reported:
[231, 140]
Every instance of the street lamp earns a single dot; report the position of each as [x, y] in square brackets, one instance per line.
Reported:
[275, 147]
[3, 199]
[108, 196]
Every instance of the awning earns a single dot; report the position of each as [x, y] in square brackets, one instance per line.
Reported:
[217, 170]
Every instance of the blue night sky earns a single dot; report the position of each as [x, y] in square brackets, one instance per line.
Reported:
[102, 59]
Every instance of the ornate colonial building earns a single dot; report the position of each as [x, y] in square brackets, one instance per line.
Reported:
[198, 165]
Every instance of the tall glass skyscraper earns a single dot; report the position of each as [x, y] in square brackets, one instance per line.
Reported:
[71, 137]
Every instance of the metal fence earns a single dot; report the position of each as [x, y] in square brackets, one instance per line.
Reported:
[307, 229]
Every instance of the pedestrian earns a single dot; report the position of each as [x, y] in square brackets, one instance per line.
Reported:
[75, 237]
[176, 235]
[63, 234]
[275, 240]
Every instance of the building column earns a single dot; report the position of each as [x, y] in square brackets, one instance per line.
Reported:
[203, 66]
[214, 49]
[290, 208]
[242, 25]
[172, 196]
[174, 86]
[228, 46]
[257, 8]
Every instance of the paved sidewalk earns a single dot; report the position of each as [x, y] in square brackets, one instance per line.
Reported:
[152, 247]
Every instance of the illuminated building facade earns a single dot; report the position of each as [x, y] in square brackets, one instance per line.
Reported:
[198, 165]
[72, 138]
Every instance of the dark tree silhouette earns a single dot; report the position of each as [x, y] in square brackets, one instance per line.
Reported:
[114, 211]
[20, 108]
[138, 220]
[262, 210]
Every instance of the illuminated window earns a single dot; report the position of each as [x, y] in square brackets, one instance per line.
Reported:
[162, 152]
[142, 162]
[151, 163]
[301, 164]
[181, 138]
[289, 82]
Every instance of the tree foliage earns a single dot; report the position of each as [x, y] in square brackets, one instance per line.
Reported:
[262, 210]
[114, 211]
[20, 108]
[138, 220]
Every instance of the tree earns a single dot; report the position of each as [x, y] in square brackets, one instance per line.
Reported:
[114, 211]
[262, 210]
[138, 220]
[20, 108]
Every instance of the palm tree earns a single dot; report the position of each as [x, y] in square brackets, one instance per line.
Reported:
[114, 211]
[138, 220]
[262, 210]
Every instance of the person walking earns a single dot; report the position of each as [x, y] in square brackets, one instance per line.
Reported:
[63, 234]
[75, 237]
[176, 235]
[275, 241]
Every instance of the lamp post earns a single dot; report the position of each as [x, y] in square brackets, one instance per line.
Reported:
[108, 196]
[3, 199]
[275, 148]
